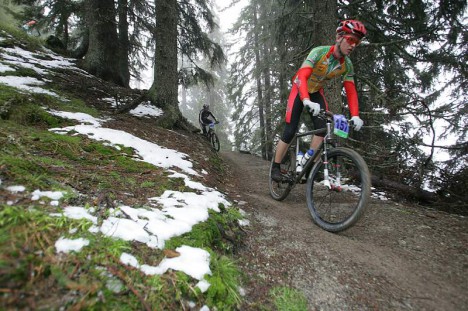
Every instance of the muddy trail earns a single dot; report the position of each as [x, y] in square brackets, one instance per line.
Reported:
[397, 257]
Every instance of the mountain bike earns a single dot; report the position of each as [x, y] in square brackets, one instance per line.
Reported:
[338, 179]
[212, 137]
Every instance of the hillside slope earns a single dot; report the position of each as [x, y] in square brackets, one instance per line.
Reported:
[101, 210]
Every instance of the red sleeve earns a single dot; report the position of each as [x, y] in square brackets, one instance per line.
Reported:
[351, 94]
[301, 81]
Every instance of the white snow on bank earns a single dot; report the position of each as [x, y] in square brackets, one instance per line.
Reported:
[178, 212]
[15, 189]
[172, 214]
[68, 245]
[146, 110]
[42, 62]
[28, 84]
[192, 261]
[149, 152]
[83, 118]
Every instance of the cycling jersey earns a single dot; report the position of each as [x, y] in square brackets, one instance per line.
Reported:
[206, 117]
[319, 67]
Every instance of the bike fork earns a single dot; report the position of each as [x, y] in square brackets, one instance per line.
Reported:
[336, 185]
[326, 177]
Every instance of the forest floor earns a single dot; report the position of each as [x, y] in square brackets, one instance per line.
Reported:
[397, 257]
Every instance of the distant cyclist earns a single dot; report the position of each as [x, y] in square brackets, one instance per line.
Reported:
[206, 118]
[322, 64]
[31, 28]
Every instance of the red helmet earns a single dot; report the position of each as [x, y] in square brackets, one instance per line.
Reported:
[352, 26]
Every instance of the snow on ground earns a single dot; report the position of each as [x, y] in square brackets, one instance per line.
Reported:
[172, 214]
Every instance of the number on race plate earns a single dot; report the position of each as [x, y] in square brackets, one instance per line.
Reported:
[341, 126]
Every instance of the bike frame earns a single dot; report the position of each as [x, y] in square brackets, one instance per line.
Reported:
[327, 212]
[322, 150]
[210, 130]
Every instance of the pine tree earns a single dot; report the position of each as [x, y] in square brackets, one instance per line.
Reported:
[283, 35]
[103, 55]
[416, 56]
[189, 41]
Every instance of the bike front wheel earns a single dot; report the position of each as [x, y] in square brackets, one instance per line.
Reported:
[337, 202]
[280, 190]
[215, 142]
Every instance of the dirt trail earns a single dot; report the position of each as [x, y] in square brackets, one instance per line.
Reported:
[396, 258]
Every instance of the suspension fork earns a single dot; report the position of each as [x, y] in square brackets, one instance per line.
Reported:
[336, 185]
[328, 137]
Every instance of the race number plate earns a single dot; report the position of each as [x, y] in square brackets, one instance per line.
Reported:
[341, 126]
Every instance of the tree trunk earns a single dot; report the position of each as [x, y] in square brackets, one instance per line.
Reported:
[283, 86]
[163, 92]
[62, 28]
[258, 64]
[82, 49]
[102, 57]
[124, 43]
[268, 90]
[325, 13]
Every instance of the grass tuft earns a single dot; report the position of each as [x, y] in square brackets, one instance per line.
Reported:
[288, 299]
[223, 292]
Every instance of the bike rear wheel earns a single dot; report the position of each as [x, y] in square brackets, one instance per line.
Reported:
[339, 206]
[214, 141]
[280, 190]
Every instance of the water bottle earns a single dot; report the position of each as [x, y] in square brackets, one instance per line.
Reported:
[299, 157]
[306, 156]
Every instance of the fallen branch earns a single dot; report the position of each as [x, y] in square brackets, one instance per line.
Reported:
[133, 104]
[404, 190]
[118, 274]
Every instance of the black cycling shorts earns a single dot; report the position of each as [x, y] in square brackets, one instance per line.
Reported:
[297, 107]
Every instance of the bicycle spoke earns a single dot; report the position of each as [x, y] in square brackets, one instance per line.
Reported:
[339, 206]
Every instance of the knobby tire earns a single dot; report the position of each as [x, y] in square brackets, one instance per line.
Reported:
[339, 208]
[280, 190]
[215, 142]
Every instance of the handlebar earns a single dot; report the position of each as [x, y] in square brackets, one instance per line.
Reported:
[328, 114]
[325, 114]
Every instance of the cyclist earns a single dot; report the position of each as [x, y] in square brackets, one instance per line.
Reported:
[30, 27]
[322, 64]
[206, 118]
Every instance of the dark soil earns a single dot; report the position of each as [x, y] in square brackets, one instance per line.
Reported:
[397, 257]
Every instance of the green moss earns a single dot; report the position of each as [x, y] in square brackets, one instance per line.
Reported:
[20, 72]
[147, 184]
[99, 148]
[223, 291]
[288, 299]
[25, 171]
[72, 105]
[25, 113]
[217, 163]
[128, 164]
[7, 92]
